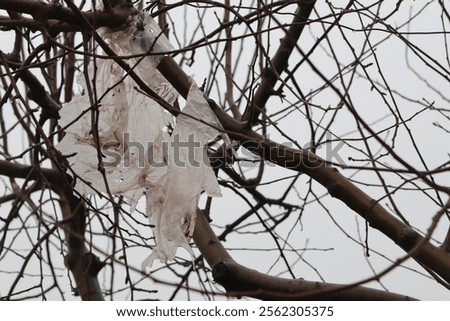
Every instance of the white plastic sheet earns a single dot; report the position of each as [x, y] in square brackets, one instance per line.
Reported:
[134, 127]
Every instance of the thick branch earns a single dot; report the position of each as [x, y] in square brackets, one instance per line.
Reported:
[83, 264]
[37, 93]
[11, 169]
[241, 281]
[56, 18]
[279, 62]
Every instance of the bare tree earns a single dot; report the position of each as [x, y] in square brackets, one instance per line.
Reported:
[333, 160]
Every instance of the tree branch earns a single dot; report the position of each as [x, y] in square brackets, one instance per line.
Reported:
[37, 92]
[83, 264]
[55, 18]
[11, 169]
[241, 281]
[279, 62]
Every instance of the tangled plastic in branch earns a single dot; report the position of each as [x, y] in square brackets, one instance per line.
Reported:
[127, 117]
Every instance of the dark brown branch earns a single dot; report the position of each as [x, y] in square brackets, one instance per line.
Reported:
[36, 91]
[83, 264]
[11, 169]
[341, 188]
[279, 62]
[42, 11]
[56, 18]
[241, 281]
[446, 243]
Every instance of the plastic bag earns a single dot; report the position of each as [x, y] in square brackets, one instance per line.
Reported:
[139, 155]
